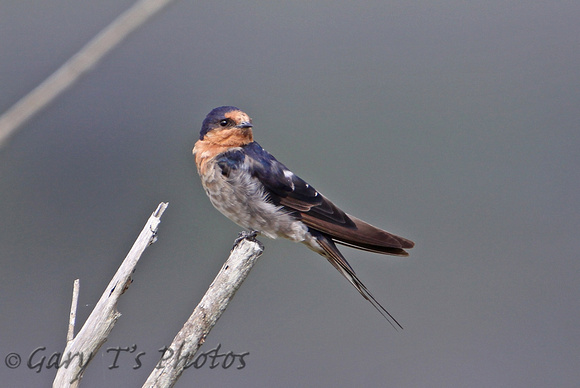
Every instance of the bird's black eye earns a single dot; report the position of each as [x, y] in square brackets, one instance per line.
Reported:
[224, 122]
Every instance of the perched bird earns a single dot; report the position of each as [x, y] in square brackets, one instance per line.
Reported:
[256, 191]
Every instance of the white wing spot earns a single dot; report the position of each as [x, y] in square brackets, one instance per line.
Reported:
[289, 174]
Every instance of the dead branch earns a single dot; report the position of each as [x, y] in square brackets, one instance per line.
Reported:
[80, 351]
[186, 343]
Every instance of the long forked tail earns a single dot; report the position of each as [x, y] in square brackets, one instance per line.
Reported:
[333, 255]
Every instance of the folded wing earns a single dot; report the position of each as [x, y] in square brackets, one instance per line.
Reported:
[286, 189]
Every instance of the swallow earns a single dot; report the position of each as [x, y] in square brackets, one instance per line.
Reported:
[253, 189]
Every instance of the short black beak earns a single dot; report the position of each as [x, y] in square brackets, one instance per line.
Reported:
[245, 124]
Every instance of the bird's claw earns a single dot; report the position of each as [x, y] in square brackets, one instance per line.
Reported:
[245, 235]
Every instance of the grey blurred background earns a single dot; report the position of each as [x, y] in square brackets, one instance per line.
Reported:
[452, 123]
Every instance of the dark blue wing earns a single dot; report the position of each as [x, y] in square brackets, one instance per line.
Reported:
[230, 160]
[286, 189]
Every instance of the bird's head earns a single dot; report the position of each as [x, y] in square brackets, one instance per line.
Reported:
[226, 122]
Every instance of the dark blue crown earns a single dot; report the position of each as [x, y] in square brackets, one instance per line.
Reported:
[213, 118]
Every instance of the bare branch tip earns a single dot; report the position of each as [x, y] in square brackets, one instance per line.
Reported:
[160, 209]
[247, 236]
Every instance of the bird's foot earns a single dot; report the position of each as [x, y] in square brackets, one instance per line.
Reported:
[244, 235]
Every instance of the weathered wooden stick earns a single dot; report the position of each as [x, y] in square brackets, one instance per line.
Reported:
[80, 351]
[186, 343]
[73, 312]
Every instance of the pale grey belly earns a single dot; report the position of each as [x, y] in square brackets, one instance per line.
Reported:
[241, 199]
